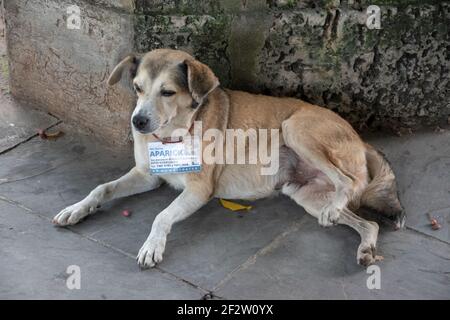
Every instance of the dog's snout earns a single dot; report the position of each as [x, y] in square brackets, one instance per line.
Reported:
[141, 122]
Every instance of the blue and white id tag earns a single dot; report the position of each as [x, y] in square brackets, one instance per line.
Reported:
[179, 157]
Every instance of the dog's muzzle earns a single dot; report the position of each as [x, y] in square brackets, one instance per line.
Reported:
[141, 123]
[145, 123]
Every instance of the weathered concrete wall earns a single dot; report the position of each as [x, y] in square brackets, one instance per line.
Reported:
[64, 71]
[320, 51]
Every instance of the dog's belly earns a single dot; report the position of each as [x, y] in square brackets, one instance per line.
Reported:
[246, 181]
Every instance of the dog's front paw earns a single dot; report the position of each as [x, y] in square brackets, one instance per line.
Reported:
[72, 214]
[151, 252]
[329, 216]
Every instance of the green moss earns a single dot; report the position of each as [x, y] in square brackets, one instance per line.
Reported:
[229, 5]
[411, 26]
[210, 41]
[285, 51]
[245, 44]
[291, 3]
[400, 3]
[194, 7]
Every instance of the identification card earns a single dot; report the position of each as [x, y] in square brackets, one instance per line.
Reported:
[179, 157]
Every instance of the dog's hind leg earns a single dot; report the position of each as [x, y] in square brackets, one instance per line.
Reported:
[315, 196]
[314, 147]
[368, 230]
[133, 182]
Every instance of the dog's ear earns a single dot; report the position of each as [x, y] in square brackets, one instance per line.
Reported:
[131, 62]
[200, 79]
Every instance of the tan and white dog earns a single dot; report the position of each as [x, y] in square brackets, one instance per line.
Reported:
[324, 166]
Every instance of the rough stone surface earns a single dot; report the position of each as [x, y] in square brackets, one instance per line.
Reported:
[64, 71]
[210, 244]
[286, 271]
[4, 69]
[35, 258]
[18, 122]
[319, 51]
[273, 251]
[416, 159]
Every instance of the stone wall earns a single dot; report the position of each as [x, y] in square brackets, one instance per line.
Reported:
[64, 71]
[320, 51]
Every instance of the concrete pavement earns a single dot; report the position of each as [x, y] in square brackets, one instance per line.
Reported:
[274, 251]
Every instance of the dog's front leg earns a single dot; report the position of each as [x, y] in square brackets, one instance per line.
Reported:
[189, 201]
[131, 183]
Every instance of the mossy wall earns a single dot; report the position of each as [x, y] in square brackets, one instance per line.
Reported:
[317, 50]
[320, 51]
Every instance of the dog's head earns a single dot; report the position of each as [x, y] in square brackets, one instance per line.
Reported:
[170, 86]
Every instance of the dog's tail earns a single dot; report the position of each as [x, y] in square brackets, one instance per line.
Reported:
[381, 193]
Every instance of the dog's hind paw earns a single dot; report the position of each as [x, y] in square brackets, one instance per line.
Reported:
[72, 214]
[151, 252]
[367, 255]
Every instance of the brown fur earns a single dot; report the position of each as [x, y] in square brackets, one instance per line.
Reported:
[324, 166]
[381, 194]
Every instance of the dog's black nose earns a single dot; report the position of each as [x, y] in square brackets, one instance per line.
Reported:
[140, 122]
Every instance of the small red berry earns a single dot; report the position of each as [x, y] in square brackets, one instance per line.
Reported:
[126, 213]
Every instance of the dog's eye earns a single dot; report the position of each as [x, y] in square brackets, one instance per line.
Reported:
[167, 93]
[137, 88]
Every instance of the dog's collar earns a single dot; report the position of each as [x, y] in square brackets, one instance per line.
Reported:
[170, 140]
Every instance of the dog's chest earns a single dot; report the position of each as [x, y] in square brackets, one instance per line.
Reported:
[177, 181]
[141, 155]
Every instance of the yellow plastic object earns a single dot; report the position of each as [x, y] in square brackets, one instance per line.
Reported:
[233, 206]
